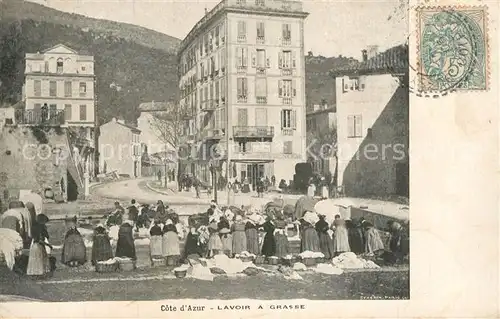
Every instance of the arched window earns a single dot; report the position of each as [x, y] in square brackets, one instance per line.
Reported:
[60, 64]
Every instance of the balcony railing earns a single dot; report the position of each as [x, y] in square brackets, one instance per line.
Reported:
[261, 100]
[261, 40]
[252, 152]
[253, 131]
[242, 99]
[242, 38]
[39, 117]
[208, 105]
[287, 100]
[286, 41]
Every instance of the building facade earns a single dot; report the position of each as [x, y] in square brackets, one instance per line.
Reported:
[373, 124]
[242, 88]
[120, 148]
[59, 87]
[321, 123]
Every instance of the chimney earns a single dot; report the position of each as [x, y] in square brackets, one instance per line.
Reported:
[365, 55]
[372, 51]
[206, 11]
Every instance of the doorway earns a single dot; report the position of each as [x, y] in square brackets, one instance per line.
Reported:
[254, 173]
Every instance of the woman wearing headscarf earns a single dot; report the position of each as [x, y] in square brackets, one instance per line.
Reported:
[280, 236]
[355, 234]
[325, 241]
[29, 218]
[225, 236]
[161, 212]
[309, 240]
[373, 242]
[252, 233]
[192, 247]
[214, 241]
[340, 236]
[38, 263]
[74, 252]
[269, 244]
[156, 241]
[125, 245]
[101, 245]
[239, 235]
[170, 242]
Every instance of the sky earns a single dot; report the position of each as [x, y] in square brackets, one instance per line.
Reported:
[333, 27]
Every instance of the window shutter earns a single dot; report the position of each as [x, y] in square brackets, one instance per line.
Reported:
[294, 89]
[350, 126]
[283, 119]
[239, 54]
[280, 88]
[280, 60]
[245, 86]
[240, 87]
[358, 127]
[268, 62]
[293, 119]
[254, 59]
[245, 57]
[294, 60]
[216, 64]
[223, 58]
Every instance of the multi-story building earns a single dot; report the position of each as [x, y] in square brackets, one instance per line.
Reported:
[321, 123]
[120, 148]
[242, 88]
[59, 89]
[373, 124]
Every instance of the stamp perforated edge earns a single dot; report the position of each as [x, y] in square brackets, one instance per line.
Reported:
[418, 10]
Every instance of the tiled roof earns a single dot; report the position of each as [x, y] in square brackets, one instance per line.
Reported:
[393, 60]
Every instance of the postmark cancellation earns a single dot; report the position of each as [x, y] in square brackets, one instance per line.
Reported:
[452, 48]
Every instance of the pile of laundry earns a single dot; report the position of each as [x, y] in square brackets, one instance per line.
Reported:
[311, 254]
[351, 261]
[245, 254]
[11, 244]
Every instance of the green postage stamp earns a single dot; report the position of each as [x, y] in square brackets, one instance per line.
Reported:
[452, 48]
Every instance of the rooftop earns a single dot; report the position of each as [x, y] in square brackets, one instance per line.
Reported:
[154, 106]
[266, 7]
[122, 123]
[393, 60]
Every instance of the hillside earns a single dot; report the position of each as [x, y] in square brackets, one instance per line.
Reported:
[143, 73]
[16, 10]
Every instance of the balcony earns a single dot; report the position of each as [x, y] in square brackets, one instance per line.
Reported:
[252, 151]
[212, 134]
[208, 106]
[242, 99]
[261, 40]
[242, 38]
[39, 117]
[287, 101]
[261, 100]
[253, 132]
[286, 41]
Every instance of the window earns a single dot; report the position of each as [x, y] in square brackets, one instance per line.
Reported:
[261, 33]
[287, 147]
[261, 58]
[242, 85]
[217, 89]
[223, 118]
[212, 65]
[68, 89]
[83, 89]
[46, 66]
[241, 2]
[202, 70]
[286, 31]
[242, 30]
[83, 112]
[53, 88]
[242, 117]
[222, 62]
[287, 60]
[242, 57]
[286, 88]
[354, 126]
[217, 35]
[37, 86]
[60, 65]
[68, 114]
[261, 90]
[260, 117]
[288, 119]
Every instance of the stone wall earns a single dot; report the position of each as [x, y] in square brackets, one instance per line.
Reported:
[33, 158]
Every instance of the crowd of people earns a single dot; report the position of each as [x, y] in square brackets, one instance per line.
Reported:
[219, 230]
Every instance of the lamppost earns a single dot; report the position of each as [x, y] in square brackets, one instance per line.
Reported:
[214, 164]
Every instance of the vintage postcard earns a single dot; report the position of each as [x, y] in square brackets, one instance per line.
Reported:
[248, 158]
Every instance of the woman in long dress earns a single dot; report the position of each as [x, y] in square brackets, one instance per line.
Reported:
[325, 241]
[309, 240]
[269, 244]
[281, 237]
[38, 263]
[239, 235]
[74, 252]
[101, 245]
[156, 241]
[125, 246]
[355, 234]
[214, 241]
[252, 234]
[225, 236]
[192, 247]
[340, 236]
[161, 212]
[170, 243]
[374, 243]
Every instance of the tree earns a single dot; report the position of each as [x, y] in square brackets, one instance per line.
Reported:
[323, 144]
